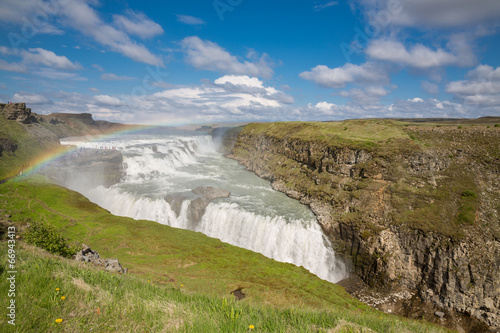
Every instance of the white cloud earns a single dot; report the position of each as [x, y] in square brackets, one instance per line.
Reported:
[482, 87]
[12, 67]
[58, 75]
[210, 56]
[94, 90]
[416, 100]
[114, 77]
[108, 100]
[253, 86]
[34, 57]
[325, 5]
[369, 95]
[432, 13]
[191, 20]
[138, 24]
[339, 77]
[428, 108]
[421, 56]
[48, 58]
[37, 14]
[412, 108]
[80, 16]
[30, 98]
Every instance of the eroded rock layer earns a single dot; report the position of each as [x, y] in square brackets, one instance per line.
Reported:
[416, 208]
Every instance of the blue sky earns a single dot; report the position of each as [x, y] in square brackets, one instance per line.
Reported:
[174, 62]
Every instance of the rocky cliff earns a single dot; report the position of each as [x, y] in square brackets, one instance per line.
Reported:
[25, 135]
[415, 206]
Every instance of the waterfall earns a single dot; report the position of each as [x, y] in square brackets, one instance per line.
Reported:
[254, 217]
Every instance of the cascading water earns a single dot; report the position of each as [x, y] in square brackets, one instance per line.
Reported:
[254, 216]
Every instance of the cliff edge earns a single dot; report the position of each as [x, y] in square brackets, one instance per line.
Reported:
[415, 206]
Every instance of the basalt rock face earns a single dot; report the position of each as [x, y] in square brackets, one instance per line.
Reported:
[418, 212]
[18, 112]
[200, 197]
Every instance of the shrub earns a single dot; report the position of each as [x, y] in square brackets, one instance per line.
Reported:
[469, 193]
[48, 238]
[497, 125]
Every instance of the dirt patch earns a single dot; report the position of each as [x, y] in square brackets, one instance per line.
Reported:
[238, 294]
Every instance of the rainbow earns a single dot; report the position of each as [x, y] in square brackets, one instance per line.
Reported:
[51, 155]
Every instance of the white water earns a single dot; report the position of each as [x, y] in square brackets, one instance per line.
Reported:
[254, 217]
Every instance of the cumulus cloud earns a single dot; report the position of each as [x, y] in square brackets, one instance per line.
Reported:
[411, 108]
[34, 57]
[421, 56]
[229, 98]
[48, 58]
[339, 77]
[244, 84]
[138, 24]
[428, 108]
[81, 17]
[481, 88]
[204, 54]
[191, 20]
[37, 12]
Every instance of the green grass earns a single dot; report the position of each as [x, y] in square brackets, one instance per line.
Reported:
[28, 148]
[362, 134]
[192, 275]
[95, 300]
[173, 255]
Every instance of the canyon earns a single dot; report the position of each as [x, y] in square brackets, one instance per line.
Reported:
[413, 207]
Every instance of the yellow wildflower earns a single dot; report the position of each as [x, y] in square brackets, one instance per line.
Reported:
[57, 289]
[63, 297]
[182, 285]
[251, 327]
[59, 320]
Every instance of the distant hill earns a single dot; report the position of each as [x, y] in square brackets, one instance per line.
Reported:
[25, 134]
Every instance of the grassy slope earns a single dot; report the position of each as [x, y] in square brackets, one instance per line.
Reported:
[362, 134]
[183, 265]
[28, 148]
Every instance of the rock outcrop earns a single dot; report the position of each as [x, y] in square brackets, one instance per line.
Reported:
[200, 198]
[7, 145]
[86, 254]
[18, 112]
[423, 217]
